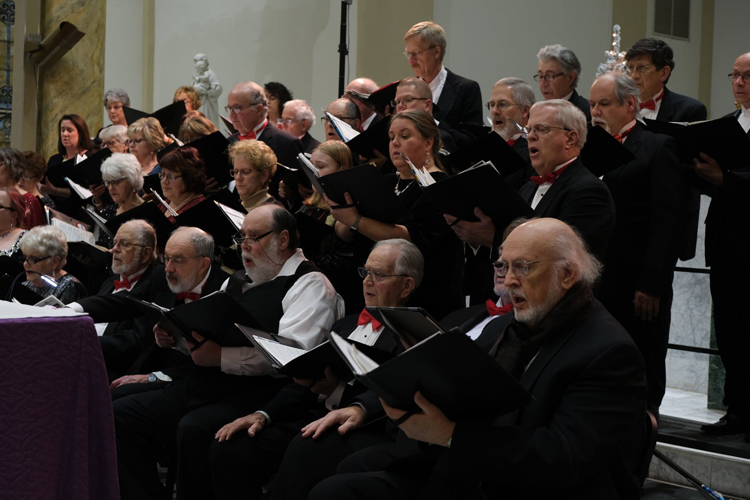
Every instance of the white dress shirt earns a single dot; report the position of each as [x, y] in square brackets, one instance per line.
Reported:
[651, 115]
[365, 124]
[311, 306]
[744, 119]
[437, 84]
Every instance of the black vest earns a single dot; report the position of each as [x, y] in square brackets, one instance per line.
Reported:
[264, 301]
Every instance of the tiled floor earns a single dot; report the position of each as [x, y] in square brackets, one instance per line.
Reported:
[688, 405]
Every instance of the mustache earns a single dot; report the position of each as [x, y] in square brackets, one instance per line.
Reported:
[601, 122]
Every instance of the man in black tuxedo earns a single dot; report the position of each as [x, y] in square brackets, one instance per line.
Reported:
[248, 109]
[242, 461]
[649, 63]
[649, 194]
[558, 73]
[727, 241]
[563, 189]
[458, 99]
[133, 260]
[582, 370]
[297, 118]
[279, 288]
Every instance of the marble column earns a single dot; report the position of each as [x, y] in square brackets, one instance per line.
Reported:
[75, 83]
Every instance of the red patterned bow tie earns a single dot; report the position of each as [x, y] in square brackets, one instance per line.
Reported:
[188, 295]
[493, 310]
[551, 177]
[126, 283]
[365, 317]
[622, 135]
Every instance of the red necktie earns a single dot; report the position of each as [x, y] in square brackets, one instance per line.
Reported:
[511, 142]
[622, 135]
[365, 317]
[493, 310]
[551, 177]
[126, 283]
[188, 295]
[651, 103]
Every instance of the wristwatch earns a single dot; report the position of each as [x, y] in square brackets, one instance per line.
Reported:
[152, 378]
[355, 227]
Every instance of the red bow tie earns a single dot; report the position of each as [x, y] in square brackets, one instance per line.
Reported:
[511, 142]
[493, 310]
[622, 135]
[252, 134]
[651, 103]
[550, 177]
[126, 283]
[365, 317]
[188, 295]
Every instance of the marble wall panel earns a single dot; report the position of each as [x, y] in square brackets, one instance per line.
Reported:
[75, 83]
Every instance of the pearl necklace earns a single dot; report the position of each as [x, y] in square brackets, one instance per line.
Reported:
[399, 191]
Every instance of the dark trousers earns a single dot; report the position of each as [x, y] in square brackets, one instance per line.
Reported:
[148, 423]
[241, 465]
[729, 291]
[651, 337]
[307, 461]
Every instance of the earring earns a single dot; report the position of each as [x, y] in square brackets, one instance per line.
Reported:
[427, 161]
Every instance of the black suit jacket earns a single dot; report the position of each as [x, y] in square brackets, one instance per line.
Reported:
[588, 399]
[579, 199]
[581, 103]
[460, 102]
[108, 287]
[680, 108]
[309, 143]
[650, 193]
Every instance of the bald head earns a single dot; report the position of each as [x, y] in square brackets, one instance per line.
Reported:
[546, 258]
[248, 106]
[364, 86]
[741, 86]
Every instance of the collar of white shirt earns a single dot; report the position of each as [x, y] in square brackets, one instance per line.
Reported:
[130, 279]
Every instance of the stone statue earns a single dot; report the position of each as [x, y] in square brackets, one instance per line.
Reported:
[208, 87]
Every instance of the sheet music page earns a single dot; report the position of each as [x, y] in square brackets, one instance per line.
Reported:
[283, 354]
[235, 216]
[360, 363]
[73, 233]
[81, 191]
[343, 129]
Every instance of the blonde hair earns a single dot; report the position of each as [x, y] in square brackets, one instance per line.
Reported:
[151, 130]
[342, 155]
[257, 153]
[195, 125]
[191, 94]
[431, 33]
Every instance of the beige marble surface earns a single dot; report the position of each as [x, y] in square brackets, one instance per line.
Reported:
[75, 83]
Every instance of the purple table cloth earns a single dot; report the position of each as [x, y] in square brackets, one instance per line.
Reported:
[57, 437]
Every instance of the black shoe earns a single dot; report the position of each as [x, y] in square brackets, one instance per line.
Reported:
[728, 424]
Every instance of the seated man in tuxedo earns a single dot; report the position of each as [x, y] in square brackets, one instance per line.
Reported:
[345, 110]
[582, 370]
[285, 293]
[649, 63]
[414, 93]
[649, 194]
[558, 73]
[363, 86]
[297, 118]
[248, 109]
[247, 451]
[458, 99]
[727, 241]
[563, 188]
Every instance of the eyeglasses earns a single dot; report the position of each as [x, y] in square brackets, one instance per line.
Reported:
[111, 143]
[520, 267]
[237, 108]
[242, 171]
[126, 245]
[499, 105]
[548, 76]
[239, 239]
[286, 121]
[114, 182]
[27, 177]
[34, 260]
[409, 55]
[177, 260]
[131, 142]
[325, 119]
[171, 177]
[544, 129]
[640, 69]
[376, 276]
[113, 107]
[733, 77]
[406, 101]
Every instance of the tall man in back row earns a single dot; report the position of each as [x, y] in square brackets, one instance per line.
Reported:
[458, 99]
[558, 74]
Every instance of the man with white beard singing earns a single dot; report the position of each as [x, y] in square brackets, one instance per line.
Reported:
[289, 296]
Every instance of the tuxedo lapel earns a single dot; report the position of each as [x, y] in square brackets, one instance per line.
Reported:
[665, 109]
[447, 96]
[557, 187]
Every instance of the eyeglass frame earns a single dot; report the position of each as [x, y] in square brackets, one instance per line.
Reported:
[733, 77]
[234, 171]
[172, 177]
[241, 107]
[492, 105]
[549, 78]
[376, 276]
[533, 128]
[394, 103]
[126, 245]
[35, 260]
[130, 142]
[324, 119]
[165, 259]
[409, 55]
[114, 182]
[502, 267]
[638, 69]
[282, 121]
[238, 239]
